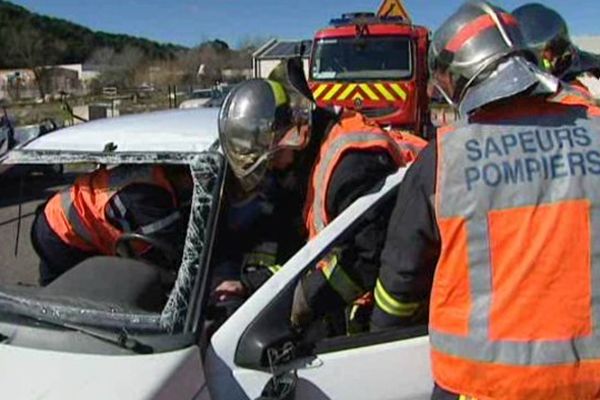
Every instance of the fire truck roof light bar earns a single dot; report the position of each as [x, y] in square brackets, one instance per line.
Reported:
[363, 18]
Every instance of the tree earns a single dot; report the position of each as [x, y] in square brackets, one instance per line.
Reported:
[29, 49]
[118, 68]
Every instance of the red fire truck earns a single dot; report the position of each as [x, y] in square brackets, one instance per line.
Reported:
[375, 64]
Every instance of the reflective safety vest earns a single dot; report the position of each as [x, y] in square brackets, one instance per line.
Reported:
[352, 133]
[515, 305]
[79, 214]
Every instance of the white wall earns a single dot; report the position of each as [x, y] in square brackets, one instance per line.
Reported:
[591, 44]
[264, 67]
[588, 43]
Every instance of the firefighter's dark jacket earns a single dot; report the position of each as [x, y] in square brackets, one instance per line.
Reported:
[357, 174]
[413, 244]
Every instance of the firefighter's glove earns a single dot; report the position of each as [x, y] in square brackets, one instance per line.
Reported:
[254, 276]
[301, 314]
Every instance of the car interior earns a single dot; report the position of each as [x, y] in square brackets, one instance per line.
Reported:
[125, 293]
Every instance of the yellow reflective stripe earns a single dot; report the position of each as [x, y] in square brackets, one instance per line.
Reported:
[385, 92]
[279, 93]
[349, 89]
[318, 91]
[340, 281]
[358, 96]
[274, 268]
[465, 397]
[333, 91]
[368, 91]
[399, 91]
[390, 305]
[547, 64]
[260, 258]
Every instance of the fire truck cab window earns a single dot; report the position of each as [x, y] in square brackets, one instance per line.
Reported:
[362, 58]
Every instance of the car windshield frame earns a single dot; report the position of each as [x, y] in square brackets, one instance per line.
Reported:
[207, 169]
[361, 75]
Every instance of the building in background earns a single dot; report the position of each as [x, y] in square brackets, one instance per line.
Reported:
[269, 55]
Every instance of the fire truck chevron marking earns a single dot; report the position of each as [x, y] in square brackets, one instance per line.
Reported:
[367, 90]
[319, 90]
[333, 91]
[347, 92]
[384, 92]
[399, 91]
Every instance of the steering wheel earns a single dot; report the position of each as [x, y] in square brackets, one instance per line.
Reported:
[124, 248]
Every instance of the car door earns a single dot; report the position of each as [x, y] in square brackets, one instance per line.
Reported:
[257, 342]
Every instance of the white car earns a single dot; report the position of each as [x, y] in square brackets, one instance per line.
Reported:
[198, 98]
[97, 332]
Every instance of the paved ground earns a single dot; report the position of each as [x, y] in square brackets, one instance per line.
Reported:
[18, 261]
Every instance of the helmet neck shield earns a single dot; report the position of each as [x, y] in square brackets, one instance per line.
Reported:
[513, 76]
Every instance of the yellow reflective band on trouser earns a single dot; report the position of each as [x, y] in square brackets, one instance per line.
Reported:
[279, 93]
[340, 281]
[463, 397]
[390, 305]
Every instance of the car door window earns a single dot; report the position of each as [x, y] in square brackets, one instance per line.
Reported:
[271, 333]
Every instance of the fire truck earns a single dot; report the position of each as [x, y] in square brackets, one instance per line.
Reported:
[375, 64]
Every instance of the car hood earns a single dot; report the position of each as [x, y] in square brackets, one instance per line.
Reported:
[161, 131]
[40, 374]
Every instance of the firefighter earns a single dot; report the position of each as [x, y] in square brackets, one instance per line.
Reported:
[89, 217]
[546, 32]
[350, 166]
[355, 158]
[503, 209]
[262, 127]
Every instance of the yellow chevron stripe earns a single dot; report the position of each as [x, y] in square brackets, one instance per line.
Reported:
[368, 91]
[399, 91]
[317, 92]
[349, 89]
[358, 96]
[333, 91]
[385, 92]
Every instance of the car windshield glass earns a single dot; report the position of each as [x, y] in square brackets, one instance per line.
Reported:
[160, 237]
[362, 58]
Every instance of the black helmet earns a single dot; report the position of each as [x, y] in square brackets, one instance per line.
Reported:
[547, 35]
[471, 42]
[255, 121]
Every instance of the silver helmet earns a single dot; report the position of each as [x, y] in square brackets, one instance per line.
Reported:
[546, 33]
[469, 44]
[255, 121]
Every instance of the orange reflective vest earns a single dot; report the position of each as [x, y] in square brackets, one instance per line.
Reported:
[352, 133]
[515, 305]
[78, 215]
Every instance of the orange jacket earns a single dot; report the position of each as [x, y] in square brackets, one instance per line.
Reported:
[353, 132]
[78, 215]
[515, 303]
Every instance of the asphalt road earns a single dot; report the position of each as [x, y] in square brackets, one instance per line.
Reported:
[18, 261]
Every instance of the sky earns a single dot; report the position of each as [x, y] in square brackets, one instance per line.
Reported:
[190, 22]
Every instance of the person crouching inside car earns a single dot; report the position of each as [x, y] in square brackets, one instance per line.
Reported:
[88, 218]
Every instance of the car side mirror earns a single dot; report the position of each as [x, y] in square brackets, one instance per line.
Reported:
[270, 332]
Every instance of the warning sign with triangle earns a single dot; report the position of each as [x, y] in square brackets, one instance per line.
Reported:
[393, 8]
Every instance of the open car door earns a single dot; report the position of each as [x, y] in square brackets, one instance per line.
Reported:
[257, 348]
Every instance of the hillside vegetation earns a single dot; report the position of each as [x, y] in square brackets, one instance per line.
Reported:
[28, 38]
